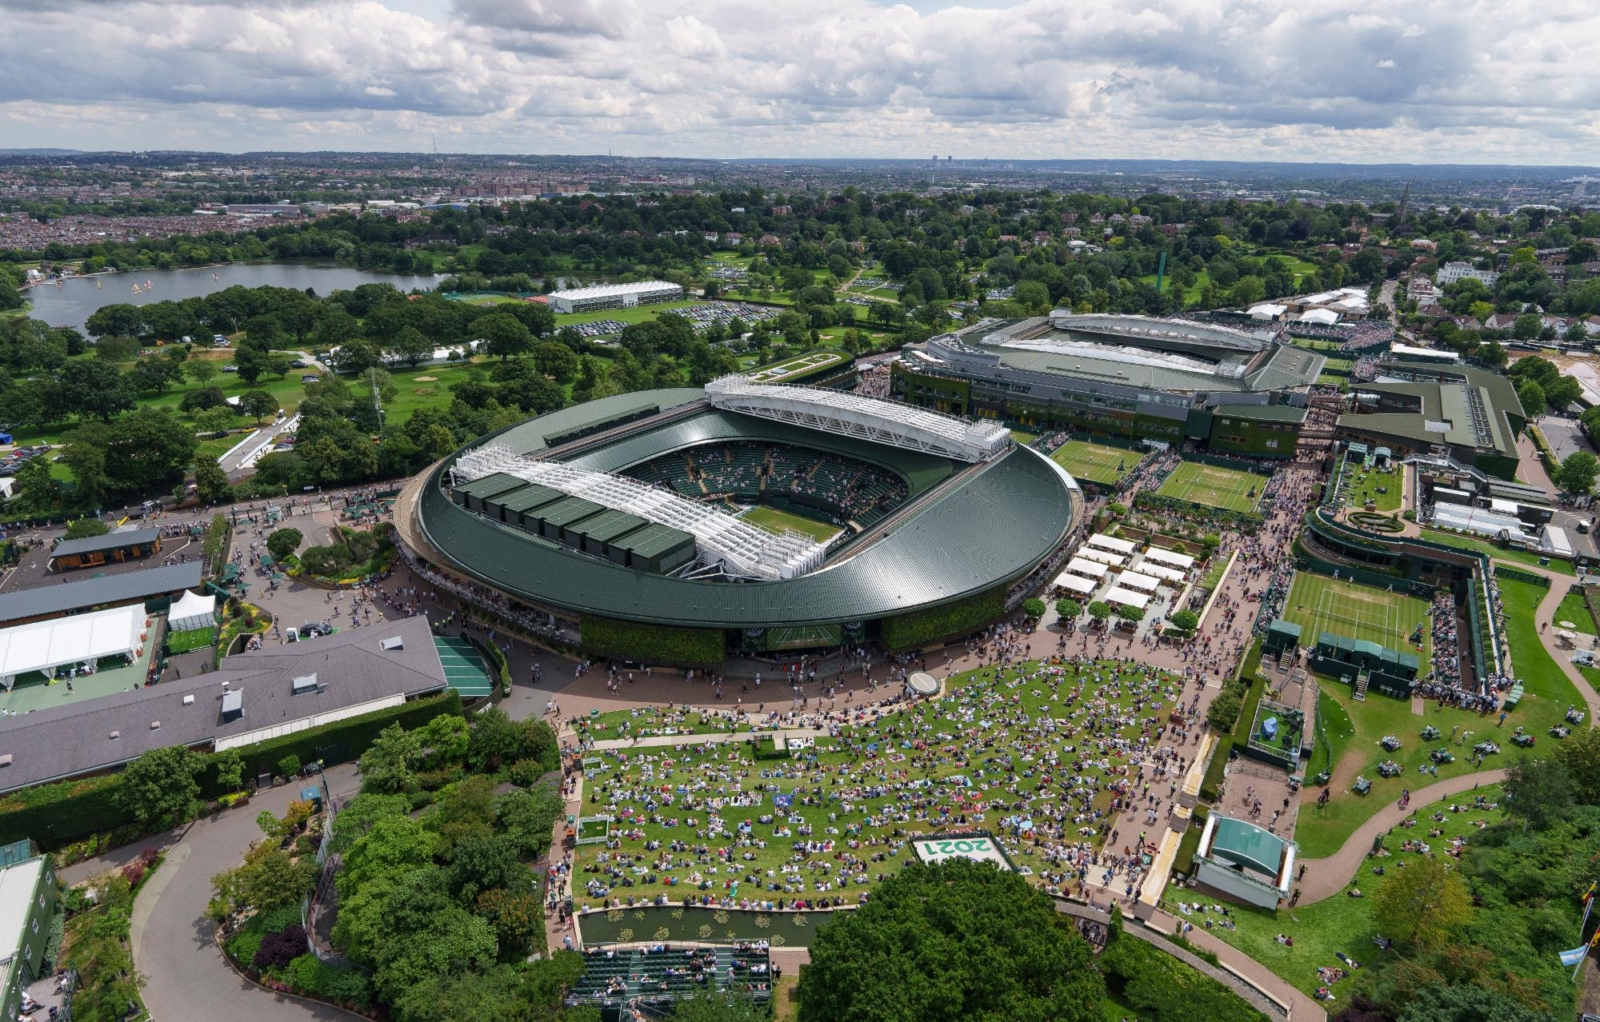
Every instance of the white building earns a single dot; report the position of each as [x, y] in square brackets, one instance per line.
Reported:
[1449, 273]
[1240, 859]
[614, 296]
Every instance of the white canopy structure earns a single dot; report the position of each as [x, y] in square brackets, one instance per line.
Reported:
[1088, 569]
[1103, 556]
[1076, 584]
[1127, 597]
[1118, 546]
[1157, 571]
[80, 639]
[865, 418]
[736, 546]
[192, 611]
[1134, 580]
[1168, 557]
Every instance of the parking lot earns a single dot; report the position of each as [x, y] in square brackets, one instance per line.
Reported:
[1564, 435]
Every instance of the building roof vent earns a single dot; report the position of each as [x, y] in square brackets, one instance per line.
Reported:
[305, 684]
[115, 735]
[391, 643]
[188, 700]
[155, 725]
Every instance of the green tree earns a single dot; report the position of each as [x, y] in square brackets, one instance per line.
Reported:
[258, 404]
[94, 390]
[1463, 1002]
[148, 450]
[230, 769]
[211, 482]
[268, 879]
[201, 370]
[1069, 610]
[159, 789]
[1580, 753]
[556, 360]
[84, 528]
[483, 862]
[283, 542]
[411, 346]
[1526, 327]
[719, 1006]
[1099, 611]
[386, 766]
[527, 818]
[1185, 620]
[517, 917]
[503, 334]
[1539, 791]
[958, 939]
[1576, 473]
[391, 847]
[1424, 904]
[365, 810]
[1531, 395]
[1033, 607]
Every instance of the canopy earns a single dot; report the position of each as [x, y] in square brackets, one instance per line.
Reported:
[1074, 583]
[1104, 542]
[191, 612]
[1134, 580]
[1127, 597]
[1089, 569]
[1104, 557]
[81, 638]
[1157, 571]
[1168, 557]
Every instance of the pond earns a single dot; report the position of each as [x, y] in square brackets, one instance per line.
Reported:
[77, 298]
[677, 923]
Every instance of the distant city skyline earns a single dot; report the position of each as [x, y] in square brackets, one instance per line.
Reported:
[1355, 81]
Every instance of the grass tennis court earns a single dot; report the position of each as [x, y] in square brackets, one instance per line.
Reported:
[1320, 603]
[773, 520]
[1093, 463]
[1214, 487]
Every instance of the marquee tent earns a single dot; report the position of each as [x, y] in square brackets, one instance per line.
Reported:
[1119, 546]
[1074, 583]
[1168, 557]
[1134, 580]
[1127, 597]
[1170, 574]
[1103, 556]
[1089, 569]
[192, 612]
[79, 639]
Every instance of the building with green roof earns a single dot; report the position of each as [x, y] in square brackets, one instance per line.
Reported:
[1471, 415]
[1244, 861]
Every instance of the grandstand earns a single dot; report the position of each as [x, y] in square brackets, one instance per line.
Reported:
[650, 979]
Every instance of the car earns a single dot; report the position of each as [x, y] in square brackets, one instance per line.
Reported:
[230, 369]
[310, 378]
[299, 363]
[219, 434]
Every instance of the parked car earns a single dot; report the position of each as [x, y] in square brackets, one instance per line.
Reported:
[230, 369]
[310, 378]
[298, 363]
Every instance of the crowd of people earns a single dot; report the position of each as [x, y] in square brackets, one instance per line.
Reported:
[1446, 652]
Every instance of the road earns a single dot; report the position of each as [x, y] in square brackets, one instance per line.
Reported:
[237, 462]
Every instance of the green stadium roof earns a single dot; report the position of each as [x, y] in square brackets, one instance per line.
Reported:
[1245, 844]
[1263, 413]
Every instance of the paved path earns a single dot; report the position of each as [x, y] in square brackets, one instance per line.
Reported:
[1327, 877]
[658, 741]
[1302, 1007]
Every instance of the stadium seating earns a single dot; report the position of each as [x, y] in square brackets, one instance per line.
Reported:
[746, 471]
[668, 973]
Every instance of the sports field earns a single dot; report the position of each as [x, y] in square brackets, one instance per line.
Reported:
[773, 520]
[1093, 463]
[1214, 487]
[1320, 603]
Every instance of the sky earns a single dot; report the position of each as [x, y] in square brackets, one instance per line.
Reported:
[1361, 81]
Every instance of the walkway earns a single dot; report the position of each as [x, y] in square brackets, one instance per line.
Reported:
[1328, 876]
[1302, 1007]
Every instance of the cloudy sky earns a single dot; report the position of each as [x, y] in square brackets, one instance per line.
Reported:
[1357, 80]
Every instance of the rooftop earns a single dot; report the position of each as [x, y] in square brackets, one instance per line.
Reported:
[17, 884]
[608, 290]
[110, 541]
[1244, 844]
[66, 597]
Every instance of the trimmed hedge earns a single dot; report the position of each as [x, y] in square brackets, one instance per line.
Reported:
[58, 814]
[1162, 502]
[909, 631]
[657, 644]
[1511, 574]
[1183, 862]
[1212, 781]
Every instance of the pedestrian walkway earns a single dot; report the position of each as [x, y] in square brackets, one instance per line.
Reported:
[1302, 1007]
[710, 738]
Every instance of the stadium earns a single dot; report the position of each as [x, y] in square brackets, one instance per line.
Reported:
[687, 525]
[1236, 391]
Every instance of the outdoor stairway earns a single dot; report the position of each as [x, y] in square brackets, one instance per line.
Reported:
[1285, 661]
[1359, 693]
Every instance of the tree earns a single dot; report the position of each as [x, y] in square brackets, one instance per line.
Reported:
[556, 360]
[1562, 391]
[526, 818]
[214, 420]
[268, 879]
[1068, 610]
[719, 1006]
[1526, 327]
[1130, 613]
[483, 862]
[1539, 791]
[201, 370]
[1033, 607]
[411, 346]
[84, 528]
[283, 542]
[1531, 395]
[359, 817]
[1185, 620]
[258, 404]
[1099, 610]
[503, 334]
[1423, 904]
[91, 389]
[444, 738]
[1464, 1002]
[516, 917]
[230, 769]
[159, 789]
[391, 847]
[1577, 472]
[148, 450]
[211, 482]
[386, 766]
[958, 939]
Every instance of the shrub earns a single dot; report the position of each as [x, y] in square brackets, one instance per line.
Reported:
[289, 766]
[342, 986]
[277, 950]
[909, 631]
[1033, 607]
[243, 945]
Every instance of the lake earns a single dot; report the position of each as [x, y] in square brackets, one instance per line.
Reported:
[77, 298]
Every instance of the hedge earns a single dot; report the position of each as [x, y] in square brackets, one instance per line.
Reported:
[1511, 574]
[1183, 862]
[1161, 502]
[909, 631]
[657, 644]
[1160, 987]
[58, 814]
[1212, 781]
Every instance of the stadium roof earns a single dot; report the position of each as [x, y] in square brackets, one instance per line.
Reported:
[961, 541]
[352, 669]
[67, 597]
[608, 290]
[115, 540]
[1263, 413]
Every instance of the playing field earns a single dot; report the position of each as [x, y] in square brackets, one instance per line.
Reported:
[773, 520]
[1214, 487]
[1319, 603]
[1095, 464]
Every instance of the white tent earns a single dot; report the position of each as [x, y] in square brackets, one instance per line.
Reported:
[1127, 597]
[79, 639]
[1168, 557]
[192, 612]
[1103, 556]
[1134, 580]
[1089, 569]
[1104, 542]
[1156, 570]
[1074, 583]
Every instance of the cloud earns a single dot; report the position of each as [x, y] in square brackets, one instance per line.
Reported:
[1350, 79]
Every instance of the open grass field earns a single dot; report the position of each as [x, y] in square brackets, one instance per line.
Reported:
[1383, 488]
[1573, 609]
[1094, 463]
[1320, 603]
[773, 520]
[810, 361]
[1214, 487]
[1483, 546]
[1022, 437]
[964, 759]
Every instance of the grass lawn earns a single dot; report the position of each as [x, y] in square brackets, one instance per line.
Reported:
[1321, 603]
[648, 721]
[1023, 438]
[1384, 489]
[1573, 609]
[1339, 923]
[1335, 734]
[1215, 487]
[194, 638]
[773, 520]
[1464, 542]
[811, 360]
[1095, 463]
[990, 739]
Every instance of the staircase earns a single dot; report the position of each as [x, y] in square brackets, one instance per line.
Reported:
[1359, 693]
[1286, 659]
